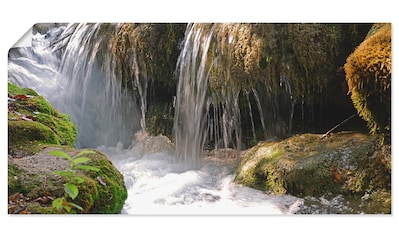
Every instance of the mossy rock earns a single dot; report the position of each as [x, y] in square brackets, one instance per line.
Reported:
[32, 120]
[368, 73]
[34, 178]
[28, 138]
[306, 165]
[35, 128]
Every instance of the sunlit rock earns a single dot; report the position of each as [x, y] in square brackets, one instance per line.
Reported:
[346, 163]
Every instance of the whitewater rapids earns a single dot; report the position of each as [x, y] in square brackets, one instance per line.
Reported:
[158, 185]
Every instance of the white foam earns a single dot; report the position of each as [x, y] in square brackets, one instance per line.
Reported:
[158, 185]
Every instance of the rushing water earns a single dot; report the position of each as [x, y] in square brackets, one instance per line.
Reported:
[77, 75]
[158, 185]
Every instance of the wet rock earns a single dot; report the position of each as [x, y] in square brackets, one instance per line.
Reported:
[347, 164]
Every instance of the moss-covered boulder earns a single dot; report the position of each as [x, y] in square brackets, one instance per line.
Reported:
[349, 164]
[33, 122]
[34, 129]
[368, 73]
[33, 184]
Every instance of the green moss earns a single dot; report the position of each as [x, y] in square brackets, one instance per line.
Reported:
[109, 198]
[93, 196]
[312, 179]
[159, 120]
[14, 183]
[268, 177]
[62, 125]
[305, 165]
[14, 90]
[36, 208]
[33, 184]
[48, 125]
[21, 133]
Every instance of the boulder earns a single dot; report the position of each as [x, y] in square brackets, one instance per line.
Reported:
[33, 184]
[345, 163]
[35, 128]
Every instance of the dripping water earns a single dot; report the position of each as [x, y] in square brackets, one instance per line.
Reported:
[260, 109]
[251, 116]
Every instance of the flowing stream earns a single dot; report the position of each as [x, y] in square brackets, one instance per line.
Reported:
[78, 77]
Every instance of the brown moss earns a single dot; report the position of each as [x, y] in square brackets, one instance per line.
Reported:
[150, 50]
[368, 74]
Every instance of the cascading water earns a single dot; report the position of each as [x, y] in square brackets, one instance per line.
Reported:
[83, 83]
[191, 106]
[204, 115]
[79, 79]
[36, 67]
[89, 90]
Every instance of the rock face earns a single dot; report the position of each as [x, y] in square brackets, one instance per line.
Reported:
[289, 69]
[349, 164]
[36, 128]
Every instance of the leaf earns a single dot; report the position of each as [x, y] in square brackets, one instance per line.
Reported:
[63, 173]
[80, 160]
[79, 179]
[71, 190]
[20, 96]
[76, 206]
[67, 208]
[57, 203]
[61, 154]
[85, 167]
[85, 152]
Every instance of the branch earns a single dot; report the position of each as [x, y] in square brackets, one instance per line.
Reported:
[331, 130]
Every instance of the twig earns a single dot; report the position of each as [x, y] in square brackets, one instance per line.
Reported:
[331, 130]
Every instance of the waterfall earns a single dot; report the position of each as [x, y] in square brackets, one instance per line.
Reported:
[81, 81]
[225, 73]
[36, 67]
[251, 116]
[91, 91]
[205, 114]
[262, 119]
[75, 68]
[191, 109]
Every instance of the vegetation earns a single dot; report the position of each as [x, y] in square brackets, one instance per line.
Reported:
[54, 185]
[37, 180]
[368, 73]
[285, 74]
[71, 190]
[350, 164]
[33, 121]
[292, 66]
[294, 76]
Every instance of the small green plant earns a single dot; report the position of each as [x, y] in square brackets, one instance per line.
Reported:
[71, 190]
